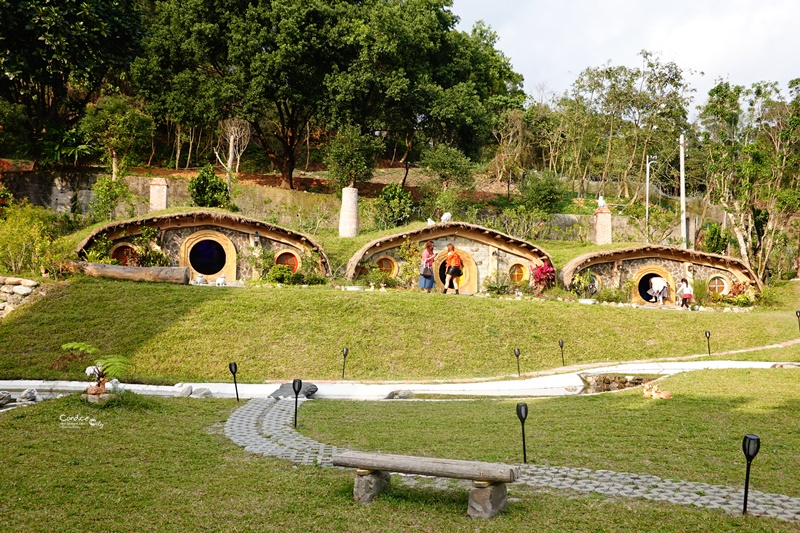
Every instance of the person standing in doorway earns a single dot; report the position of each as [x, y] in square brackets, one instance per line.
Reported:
[453, 265]
[426, 281]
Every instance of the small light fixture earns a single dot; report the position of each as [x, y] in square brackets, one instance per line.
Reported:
[345, 351]
[561, 345]
[522, 414]
[297, 385]
[256, 239]
[233, 368]
[798, 318]
[516, 354]
[750, 446]
[708, 341]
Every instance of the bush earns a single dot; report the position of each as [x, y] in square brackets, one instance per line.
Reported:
[209, 190]
[24, 237]
[279, 274]
[714, 239]
[768, 297]
[700, 290]
[542, 192]
[616, 296]
[395, 206]
[108, 194]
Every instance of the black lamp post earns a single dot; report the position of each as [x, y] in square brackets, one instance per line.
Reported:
[296, 386]
[750, 446]
[516, 354]
[798, 318]
[345, 351]
[708, 341]
[233, 368]
[522, 414]
[561, 345]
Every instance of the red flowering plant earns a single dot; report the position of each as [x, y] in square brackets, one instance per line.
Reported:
[544, 276]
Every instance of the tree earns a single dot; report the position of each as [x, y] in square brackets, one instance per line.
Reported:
[54, 55]
[116, 124]
[236, 134]
[351, 157]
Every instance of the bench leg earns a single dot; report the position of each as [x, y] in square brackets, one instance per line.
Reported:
[486, 500]
[370, 483]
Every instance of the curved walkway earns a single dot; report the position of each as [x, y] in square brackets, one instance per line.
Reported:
[264, 426]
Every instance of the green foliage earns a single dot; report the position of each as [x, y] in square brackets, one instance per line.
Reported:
[700, 291]
[63, 146]
[209, 190]
[378, 277]
[118, 127]
[611, 295]
[147, 252]
[115, 366]
[450, 166]
[498, 285]
[24, 237]
[107, 195]
[13, 134]
[583, 284]
[411, 256]
[768, 297]
[395, 206]
[350, 157]
[80, 348]
[542, 192]
[714, 240]
[261, 261]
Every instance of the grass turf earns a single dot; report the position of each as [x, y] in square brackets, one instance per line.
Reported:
[183, 333]
[163, 465]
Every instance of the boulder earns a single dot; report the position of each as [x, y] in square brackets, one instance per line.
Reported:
[5, 397]
[29, 283]
[8, 289]
[13, 281]
[776, 365]
[400, 395]
[286, 391]
[202, 392]
[22, 290]
[29, 395]
[186, 391]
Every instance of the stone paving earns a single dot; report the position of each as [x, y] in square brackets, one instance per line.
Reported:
[264, 426]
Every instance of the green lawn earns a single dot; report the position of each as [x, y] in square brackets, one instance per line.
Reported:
[183, 333]
[696, 436]
[164, 465]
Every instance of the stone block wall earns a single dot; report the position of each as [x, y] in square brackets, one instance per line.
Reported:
[615, 278]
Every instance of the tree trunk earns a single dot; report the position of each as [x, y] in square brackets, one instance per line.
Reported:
[114, 165]
[178, 275]
[177, 145]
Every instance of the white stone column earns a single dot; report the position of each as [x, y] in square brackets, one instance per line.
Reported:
[348, 217]
[602, 225]
[158, 194]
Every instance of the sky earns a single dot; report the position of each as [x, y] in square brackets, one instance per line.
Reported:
[550, 42]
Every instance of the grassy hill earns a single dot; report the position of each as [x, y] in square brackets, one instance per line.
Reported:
[183, 333]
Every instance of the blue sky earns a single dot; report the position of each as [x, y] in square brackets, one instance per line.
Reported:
[550, 41]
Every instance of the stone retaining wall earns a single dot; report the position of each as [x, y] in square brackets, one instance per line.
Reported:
[14, 292]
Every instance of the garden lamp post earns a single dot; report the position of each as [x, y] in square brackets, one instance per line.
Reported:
[522, 414]
[516, 354]
[708, 341]
[798, 318]
[561, 345]
[233, 368]
[345, 351]
[296, 386]
[750, 446]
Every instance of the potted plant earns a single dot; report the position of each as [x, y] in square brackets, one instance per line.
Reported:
[585, 286]
[109, 367]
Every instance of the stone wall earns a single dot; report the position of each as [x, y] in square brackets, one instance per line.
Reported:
[14, 292]
[614, 274]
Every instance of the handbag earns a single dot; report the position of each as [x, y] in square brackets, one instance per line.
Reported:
[426, 271]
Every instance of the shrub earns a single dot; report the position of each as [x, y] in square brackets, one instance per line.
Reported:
[542, 192]
[768, 297]
[700, 290]
[612, 295]
[209, 190]
[544, 276]
[24, 235]
[107, 196]
[714, 239]
[147, 252]
[279, 274]
[410, 253]
[395, 206]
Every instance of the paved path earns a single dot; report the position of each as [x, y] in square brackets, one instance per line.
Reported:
[264, 426]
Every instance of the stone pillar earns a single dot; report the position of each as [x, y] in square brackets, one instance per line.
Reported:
[158, 194]
[487, 499]
[348, 217]
[602, 225]
[370, 483]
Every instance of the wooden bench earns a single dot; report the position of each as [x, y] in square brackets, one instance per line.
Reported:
[487, 497]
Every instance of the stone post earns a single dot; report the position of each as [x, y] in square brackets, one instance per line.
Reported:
[158, 194]
[369, 484]
[602, 225]
[486, 499]
[348, 217]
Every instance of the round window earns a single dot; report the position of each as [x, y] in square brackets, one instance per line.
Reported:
[516, 273]
[288, 259]
[718, 285]
[123, 254]
[207, 257]
[385, 265]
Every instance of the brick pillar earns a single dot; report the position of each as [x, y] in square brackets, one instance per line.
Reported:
[348, 217]
[158, 194]
[602, 225]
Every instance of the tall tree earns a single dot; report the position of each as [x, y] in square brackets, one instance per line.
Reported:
[54, 55]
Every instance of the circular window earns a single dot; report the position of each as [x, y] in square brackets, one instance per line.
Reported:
[516, 273]
[123, 254]
[207, 257]
[288, 259]
[386, 265]
[718, 285]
